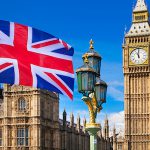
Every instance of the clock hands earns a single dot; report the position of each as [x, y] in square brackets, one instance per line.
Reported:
[138, 53]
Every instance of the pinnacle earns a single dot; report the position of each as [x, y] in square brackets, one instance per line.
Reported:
[140, 6]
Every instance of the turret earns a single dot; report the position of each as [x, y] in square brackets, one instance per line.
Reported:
[114, 139]
[64, 118]
[106, 129]
[78, 123]
[114, 133]
[84, 124]
[100, 132]
[71, 120]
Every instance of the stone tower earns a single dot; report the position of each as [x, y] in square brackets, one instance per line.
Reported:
[71, 120]
[106, 129]
[78, 123]
[64, 118]
[114, 139]
[136, 66]
[29, 119]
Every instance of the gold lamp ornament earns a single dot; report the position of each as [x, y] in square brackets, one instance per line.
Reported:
[91, 44]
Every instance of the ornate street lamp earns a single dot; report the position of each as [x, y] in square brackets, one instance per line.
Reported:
[93, 90]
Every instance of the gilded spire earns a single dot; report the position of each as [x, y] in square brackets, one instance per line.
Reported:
[91, 44]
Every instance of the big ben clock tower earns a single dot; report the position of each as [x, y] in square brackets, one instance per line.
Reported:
[136, 66]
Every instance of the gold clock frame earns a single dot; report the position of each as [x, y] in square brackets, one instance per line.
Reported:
[131, 49]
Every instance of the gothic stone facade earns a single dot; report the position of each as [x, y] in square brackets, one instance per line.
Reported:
[74, 136]
[29, 120]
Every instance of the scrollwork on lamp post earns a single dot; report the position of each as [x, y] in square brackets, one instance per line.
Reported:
[93, 90]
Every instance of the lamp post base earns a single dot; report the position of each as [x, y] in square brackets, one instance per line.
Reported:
[93, 128]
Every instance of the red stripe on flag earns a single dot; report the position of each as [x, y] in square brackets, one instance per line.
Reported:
[46, 44]
[60, 84]
[22, 55]
[64, 44]
[5, 65]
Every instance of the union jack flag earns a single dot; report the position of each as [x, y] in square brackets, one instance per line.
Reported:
[31, 57]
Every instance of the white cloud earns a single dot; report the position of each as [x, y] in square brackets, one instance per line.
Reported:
[82, 112]
[115, 93]
[114, 78]
[116, 83]
[116, 119]
[115, 90]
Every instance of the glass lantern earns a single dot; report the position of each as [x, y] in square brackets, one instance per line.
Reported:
[94, 58]
[95, 62]
[100, 92]
[86, 78]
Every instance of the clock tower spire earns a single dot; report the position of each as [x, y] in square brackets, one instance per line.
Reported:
[140, 20]
[140, 6]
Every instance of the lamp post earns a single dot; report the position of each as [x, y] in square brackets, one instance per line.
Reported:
[93, 90]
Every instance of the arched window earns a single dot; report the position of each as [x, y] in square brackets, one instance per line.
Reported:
[22, 104]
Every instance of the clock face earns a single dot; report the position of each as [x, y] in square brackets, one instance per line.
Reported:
[138, 56]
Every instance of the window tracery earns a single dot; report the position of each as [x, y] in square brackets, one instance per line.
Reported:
[22, 104]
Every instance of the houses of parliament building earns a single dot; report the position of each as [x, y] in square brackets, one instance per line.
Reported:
[29, 120]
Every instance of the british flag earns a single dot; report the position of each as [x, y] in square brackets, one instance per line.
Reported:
[31, 57]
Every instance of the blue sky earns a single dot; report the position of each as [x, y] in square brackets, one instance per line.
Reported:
[76, 22]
